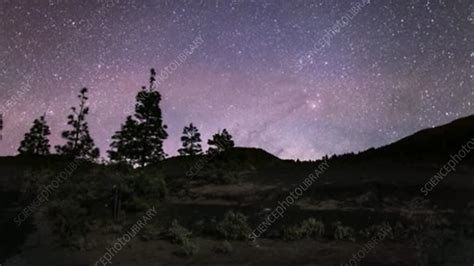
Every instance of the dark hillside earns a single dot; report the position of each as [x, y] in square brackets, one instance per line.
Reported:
[428, 144]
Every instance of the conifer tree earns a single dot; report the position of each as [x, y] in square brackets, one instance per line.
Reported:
[36, 141]
[141, 141]
[78, 140]
[191, 141]
[124, 147]
[220, 142]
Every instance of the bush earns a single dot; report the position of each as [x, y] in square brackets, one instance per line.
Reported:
[178, 234]
[343, 232]
[90, 193]
[141, 190]
[291, 233]
[234, 226]
[151, 232]
[182, 236]
[379, 229]
[414, 206]
[31, 183]
[224, 248]
[69, 220]
[112, 228]
[153, 186]
[430, 235]
[310, 228]
[187, 248]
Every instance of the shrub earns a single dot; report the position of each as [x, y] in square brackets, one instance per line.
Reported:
[187, 248]
[91, 193]
[429, 236]
[112, 228]
[178, 234]
[151, 186]
[413, 206]
[224, 248]
[234, 226]
[310, 228]
[291, 233]
[182, 236]
[31, 183]
[380, 229]
[69, 220]
[343, 232]
[151, 232]
[141, 191]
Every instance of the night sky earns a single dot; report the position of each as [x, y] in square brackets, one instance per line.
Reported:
[394, 68]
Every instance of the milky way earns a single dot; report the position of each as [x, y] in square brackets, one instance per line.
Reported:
[393, 68]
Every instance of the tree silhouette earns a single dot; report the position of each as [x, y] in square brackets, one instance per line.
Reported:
[220, 142]
[140, 140]
[79, 142]
[36, 141]
[124, 147]
[191, 141]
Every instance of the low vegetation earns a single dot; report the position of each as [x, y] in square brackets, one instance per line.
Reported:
[234, 226]
[375, 230]
[224, 247]
[342, 232]
[178, 234]
[310, 228]
[182, 237]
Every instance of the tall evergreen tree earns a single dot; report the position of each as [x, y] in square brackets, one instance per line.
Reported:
[220, 142]
[191, 141]
[36, 141]
[145, 145]
[150, 123]
[78, 140]
[124, 147]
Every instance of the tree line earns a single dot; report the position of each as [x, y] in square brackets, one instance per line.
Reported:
[139, 142]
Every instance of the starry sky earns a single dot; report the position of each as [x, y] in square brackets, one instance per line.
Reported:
[394, 68]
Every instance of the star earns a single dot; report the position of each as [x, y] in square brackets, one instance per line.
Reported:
[287, 76]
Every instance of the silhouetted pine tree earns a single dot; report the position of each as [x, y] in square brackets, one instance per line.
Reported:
[36, 141]
[221, 142]
[124, 147]
[191, 141]
[79, 142]
[145, 144]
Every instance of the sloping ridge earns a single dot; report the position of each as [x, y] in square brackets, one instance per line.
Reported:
[254, 154]
[430, 143]
[241, 155]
